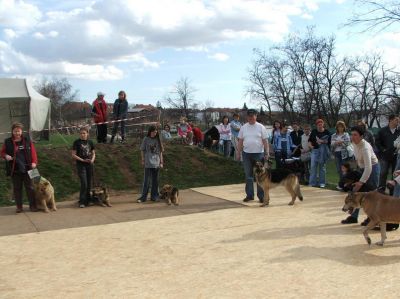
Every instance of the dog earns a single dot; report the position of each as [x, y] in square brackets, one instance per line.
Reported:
[268, 178]
[100, 196]
[170, 194]
[380, 208]
[44, 195]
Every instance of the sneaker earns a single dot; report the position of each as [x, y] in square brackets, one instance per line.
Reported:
[82, 206]
[349, 220]
[155, 199]
[191, 143]
[339, 188]
[140, 200]
[322, 186]
[19, 210]
[247, 199]
[365, 222]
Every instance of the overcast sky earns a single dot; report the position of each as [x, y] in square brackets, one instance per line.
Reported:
[144, 46]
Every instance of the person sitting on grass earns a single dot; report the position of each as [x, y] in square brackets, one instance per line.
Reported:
[166, 133]
[198, 136]
[151, 152]
[20, 155]
[84, 155]
[185, 132]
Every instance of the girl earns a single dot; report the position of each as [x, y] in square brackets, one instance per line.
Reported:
[20, 155]
[152, 160]
[185, 132]
[283, 146]
[84, 155]
[339, 143]
[225, 135]
[276, 129]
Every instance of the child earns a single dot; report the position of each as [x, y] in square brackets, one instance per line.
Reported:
[84, 154]
[349, 177]
[185, 131]
[20, 155]
[152, 160]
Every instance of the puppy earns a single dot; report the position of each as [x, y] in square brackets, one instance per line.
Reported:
[170, 194]
[268, 178]
[380, 208]
[100, 196]
[44, 195]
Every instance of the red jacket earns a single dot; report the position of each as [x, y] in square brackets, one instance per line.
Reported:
[100, 111]
[10, 148]
[198, 135]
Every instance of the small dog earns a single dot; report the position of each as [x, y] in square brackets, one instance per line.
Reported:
[269, 178]
[100, 196]
[170, 194]
[380, 208]
[44, 195]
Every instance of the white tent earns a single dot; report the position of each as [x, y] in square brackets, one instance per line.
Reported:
[19, 102]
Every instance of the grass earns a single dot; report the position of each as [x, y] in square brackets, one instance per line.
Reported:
[118, 166]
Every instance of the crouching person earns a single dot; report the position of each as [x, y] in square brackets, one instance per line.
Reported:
[84, 155]
[20, 155]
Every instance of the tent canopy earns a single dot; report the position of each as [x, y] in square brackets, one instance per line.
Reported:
[20, 102]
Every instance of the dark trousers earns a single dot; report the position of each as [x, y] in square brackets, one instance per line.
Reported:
[101, 133]
[385, 165]
[115, 129]
[85, 172]
[150, 174]
[20, 180]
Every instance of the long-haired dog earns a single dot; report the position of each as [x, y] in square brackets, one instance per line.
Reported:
[100, 196]
[44, 195]
[268, 178]
[170, 194]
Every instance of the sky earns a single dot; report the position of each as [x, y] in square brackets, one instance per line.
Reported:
[145, 46]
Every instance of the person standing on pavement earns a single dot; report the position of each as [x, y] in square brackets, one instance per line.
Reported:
[252, 146]
[99, 112]
[120, 112]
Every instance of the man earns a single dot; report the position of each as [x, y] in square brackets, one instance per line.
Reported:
[386, 150]
[235, 128]
[99, 112]
[283, 146]
[120, 111]
[296, 134]
[252, 146]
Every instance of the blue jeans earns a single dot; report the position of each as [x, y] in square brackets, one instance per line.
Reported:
[150, 174]
[339, 162]
[316, 166]
[227, 148]
[373, 181]
[249, 160]
[396, 192]
[85, 172]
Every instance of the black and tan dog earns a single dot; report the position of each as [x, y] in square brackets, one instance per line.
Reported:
[268, 178]
[380, 208]
[170, 194]
[100, 196]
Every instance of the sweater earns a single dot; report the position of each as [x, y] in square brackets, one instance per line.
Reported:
[365, 157]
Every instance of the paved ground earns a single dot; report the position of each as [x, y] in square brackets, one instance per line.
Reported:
[227, 252]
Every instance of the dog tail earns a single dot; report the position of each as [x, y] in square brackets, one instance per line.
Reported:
[175, 192]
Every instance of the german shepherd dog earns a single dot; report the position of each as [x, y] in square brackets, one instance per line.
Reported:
[268, 178]
[170, 194]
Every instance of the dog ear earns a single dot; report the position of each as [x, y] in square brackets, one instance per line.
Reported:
[45, 183]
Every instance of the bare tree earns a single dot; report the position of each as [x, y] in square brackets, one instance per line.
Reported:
[182, 96]
[376, 15]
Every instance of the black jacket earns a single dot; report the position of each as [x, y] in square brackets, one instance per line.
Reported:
[120, 109]
[296, 137]
[385, 143]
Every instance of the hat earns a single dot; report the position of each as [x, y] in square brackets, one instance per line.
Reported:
[100, 93]
[251, 111]
[319, 121]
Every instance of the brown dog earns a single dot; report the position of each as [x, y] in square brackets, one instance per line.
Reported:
[270, 178]
[44, 195]
[170, 194]
[380, 208]
[100, 196]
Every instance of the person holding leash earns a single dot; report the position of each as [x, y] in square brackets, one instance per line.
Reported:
[252, 146]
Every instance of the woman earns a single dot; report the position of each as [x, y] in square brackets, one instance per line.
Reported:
[20, 155]
[276, 129]
[368, 164]
[368, 136]
[306, 153]
[283, 146]
[120, 113]
[319, 142]
[340, 142]
[225, 135]
[166, 133]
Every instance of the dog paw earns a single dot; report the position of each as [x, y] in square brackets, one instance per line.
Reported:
[368, 239]
[264, 205]
[291, 203]
[380, 243]
[301, 198]
[54, 209]
[46, 211]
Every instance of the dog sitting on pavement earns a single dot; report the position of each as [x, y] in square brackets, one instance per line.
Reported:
[170, 194]
[100, 196]
[268, 178]
[380, 208]
[44, 195]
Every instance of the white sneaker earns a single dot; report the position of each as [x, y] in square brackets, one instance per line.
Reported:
[191, 143]
[322, 186]
[339, 188]
[82, 206]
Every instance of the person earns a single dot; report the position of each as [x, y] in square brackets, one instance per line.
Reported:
[20, 155]
[319, 142]
[395, 184]
[386, 150]
[185, 131]
[253, 147]
[120, 112]
[198, 135]
[99, 112]
[84, 154]
[340, 143]
[283, 146]
[368, 136]
[235, 128]
[296, 134]
[276, 129]
[225, 136]
[368, 165]
[305, 156]
[151, 151]
[166, 133]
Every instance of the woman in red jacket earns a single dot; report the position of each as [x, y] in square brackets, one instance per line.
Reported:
[99, 112]
[20, 155]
